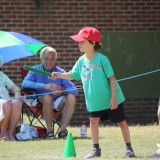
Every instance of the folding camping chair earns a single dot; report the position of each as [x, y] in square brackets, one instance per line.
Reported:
[35, 114]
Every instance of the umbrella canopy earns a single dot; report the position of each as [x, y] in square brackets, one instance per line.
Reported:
[15, 45]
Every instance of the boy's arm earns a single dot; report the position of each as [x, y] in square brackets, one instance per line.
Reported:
[113, 101]
[65, 75]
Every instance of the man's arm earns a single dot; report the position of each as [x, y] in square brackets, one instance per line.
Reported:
[30, 81]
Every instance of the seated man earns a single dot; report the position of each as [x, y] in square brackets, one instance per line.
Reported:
[45, 85]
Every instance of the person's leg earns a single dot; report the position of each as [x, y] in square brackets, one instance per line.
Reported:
[47, 101]
[94, 126]
[5, 120]
[158, 113]
[125, 131]
[16, 108]
[118, 116]
[68, 110]
[157, 153]
[126, 136]
[94, 123]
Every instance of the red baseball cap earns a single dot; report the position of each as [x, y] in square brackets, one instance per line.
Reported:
[87, 33]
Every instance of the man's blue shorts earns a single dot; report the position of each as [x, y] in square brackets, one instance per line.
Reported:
[116, 115]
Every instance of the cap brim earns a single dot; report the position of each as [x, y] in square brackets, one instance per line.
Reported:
[77, 38]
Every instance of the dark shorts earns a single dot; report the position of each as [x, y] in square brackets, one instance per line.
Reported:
[116, 115]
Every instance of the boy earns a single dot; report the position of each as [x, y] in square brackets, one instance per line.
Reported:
[104, 98]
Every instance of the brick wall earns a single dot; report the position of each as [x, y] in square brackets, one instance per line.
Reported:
[53, 21]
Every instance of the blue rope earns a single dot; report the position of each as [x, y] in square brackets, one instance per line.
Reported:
[123, 79]
[139, 75]
[36, 95]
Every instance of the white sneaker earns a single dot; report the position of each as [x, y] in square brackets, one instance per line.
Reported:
[94, 154]
[157, 154]
[129, 154]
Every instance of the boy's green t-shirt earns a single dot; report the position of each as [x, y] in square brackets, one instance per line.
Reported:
[94, 75]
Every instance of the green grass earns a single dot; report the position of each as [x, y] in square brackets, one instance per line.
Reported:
[144, 140]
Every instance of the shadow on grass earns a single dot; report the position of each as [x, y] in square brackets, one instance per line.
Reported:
[79, 138]
[43, 139]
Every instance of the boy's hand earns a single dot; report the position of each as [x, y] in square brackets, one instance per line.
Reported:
[54, 76]
[114, 104]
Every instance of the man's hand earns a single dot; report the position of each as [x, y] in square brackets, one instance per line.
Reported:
[54, 88]
[59, 88]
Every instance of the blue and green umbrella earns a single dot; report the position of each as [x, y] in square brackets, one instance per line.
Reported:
[14, 45]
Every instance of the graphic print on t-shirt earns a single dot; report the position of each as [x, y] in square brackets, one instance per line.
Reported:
[88, 69]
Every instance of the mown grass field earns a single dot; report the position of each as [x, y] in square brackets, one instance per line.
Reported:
[144, 140]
